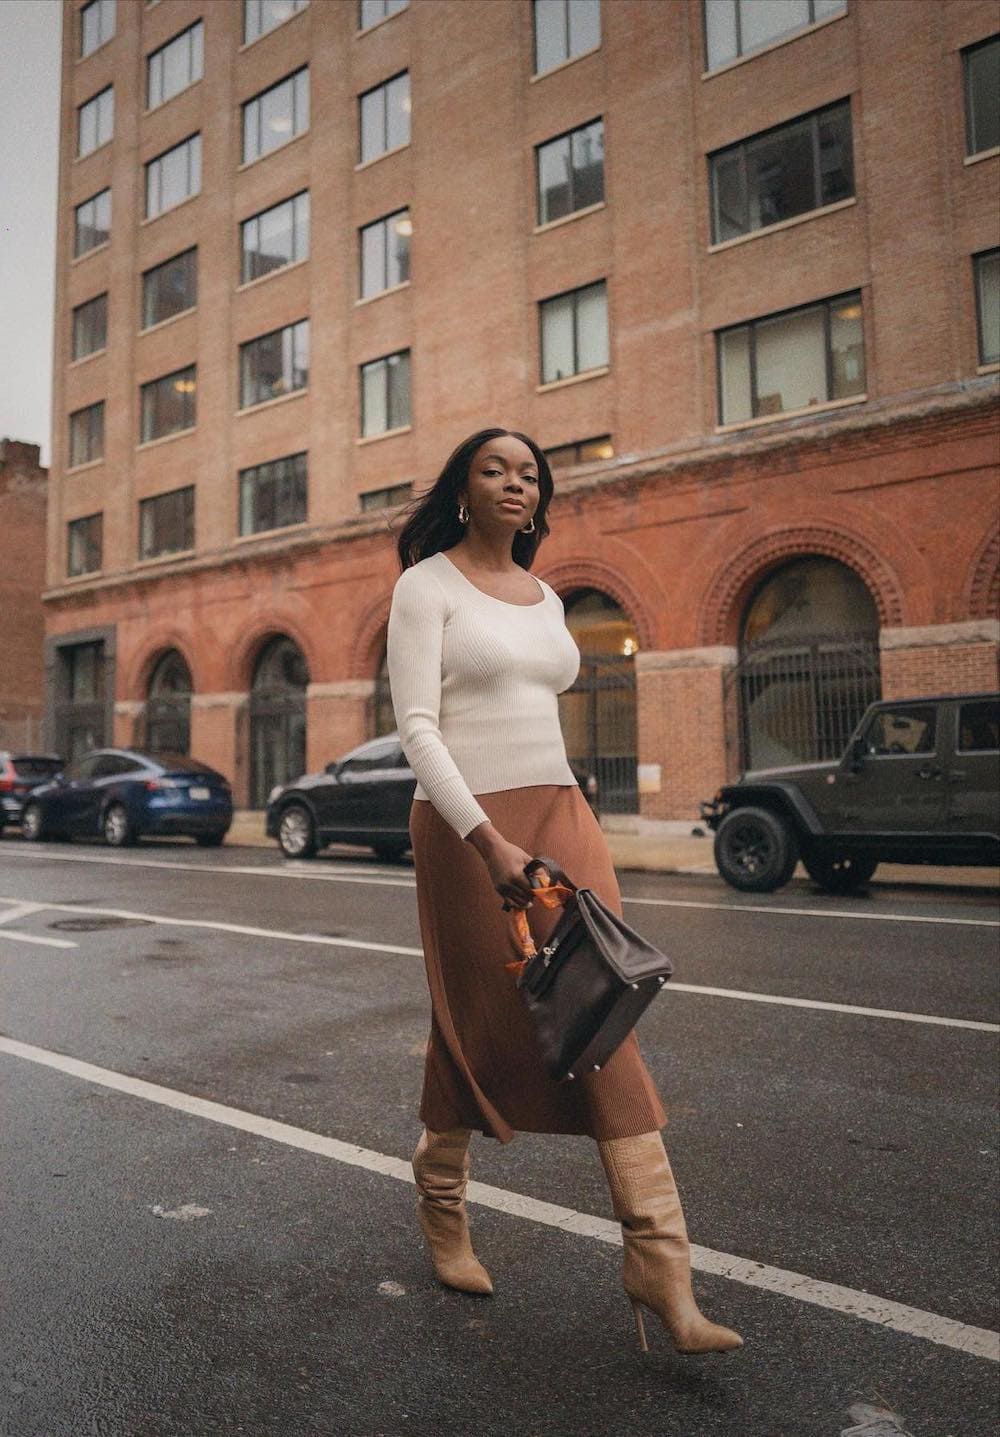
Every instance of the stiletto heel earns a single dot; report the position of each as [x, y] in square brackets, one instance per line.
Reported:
[639, 1325]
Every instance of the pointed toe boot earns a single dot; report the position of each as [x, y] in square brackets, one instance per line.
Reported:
[441, 1170]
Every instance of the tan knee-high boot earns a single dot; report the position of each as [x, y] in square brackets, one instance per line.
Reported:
[441, 1169]
[657, 1254]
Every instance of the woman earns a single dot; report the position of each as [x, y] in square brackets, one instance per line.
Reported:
[478, 654]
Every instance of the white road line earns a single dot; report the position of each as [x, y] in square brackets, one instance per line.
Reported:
[19, 910]
[35, 938]
[368, 946]
[944, 1331]
[379, 877]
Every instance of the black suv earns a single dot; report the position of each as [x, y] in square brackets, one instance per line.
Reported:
[919, 783]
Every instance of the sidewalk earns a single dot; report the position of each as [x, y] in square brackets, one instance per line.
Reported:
[644, 845]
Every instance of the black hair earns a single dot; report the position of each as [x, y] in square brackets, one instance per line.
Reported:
[433, 523]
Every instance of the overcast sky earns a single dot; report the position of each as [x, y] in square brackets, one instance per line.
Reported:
[29, 171]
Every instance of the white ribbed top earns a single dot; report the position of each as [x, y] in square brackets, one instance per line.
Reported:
[475, 684]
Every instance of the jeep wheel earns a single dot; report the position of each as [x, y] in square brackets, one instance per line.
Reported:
[755, 850]
[839, 872]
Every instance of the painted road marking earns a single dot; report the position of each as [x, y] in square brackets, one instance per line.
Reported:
[33, 938]
[19, 910]
[365, 945]
[929, 1326]
[380, 877]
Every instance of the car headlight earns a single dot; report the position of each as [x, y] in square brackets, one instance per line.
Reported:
[275, 791]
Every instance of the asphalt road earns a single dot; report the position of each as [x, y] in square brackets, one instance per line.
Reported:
[181, 1255]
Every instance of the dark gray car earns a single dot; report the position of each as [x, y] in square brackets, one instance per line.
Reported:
[918, 783]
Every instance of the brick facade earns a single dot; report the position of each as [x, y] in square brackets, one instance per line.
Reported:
[23, 492]
[683, 524]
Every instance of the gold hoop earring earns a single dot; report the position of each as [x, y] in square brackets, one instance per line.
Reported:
[529, 528]
[463, 514]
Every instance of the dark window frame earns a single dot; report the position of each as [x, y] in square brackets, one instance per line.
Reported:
[91, 545]
[94, 99]
[259, 339]
[94, 436]
[576, 291]
[78, 253]
[187, 143]
[383, 221]
[299, 6]
[554, 140]
[383, 88]
[977, 260]
[297, 228]
[147, 274]
[577, 446]
[252, 479]
[742, 54]
[390, 427]
[570, 54]
[189, 404]
[187, 32]
[391, 497]
[77, 316]
[398, 7]
[294, 89]
[155, 505]
[103, 39]
[967, 54]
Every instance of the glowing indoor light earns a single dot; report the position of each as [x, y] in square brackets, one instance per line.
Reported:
[404, 226]
[630, 647]
[184, 386]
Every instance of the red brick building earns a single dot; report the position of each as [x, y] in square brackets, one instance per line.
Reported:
[736, 267]
[23, 489]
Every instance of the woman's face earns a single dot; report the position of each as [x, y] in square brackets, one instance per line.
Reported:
[502, 492]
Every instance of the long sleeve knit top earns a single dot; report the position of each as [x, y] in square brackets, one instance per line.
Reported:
[475, 683]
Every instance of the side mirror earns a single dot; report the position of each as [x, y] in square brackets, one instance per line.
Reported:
[333, 769]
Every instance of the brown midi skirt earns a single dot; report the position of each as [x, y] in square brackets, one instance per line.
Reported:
[484, 1069]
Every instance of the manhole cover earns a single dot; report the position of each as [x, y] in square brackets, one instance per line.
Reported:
[95, 924]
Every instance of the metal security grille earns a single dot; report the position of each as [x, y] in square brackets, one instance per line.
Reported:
[800, 702]
[598, 717]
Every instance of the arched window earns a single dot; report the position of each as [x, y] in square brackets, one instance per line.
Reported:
[598, 713]
[809, 663]
[277, 717]
[168, 705]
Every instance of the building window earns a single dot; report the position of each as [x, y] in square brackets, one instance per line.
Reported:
[97, 25]
[95, 122]
[386, 498]
[90, 327]
[166, 523]
[274, 238]
[987, 272]
[791, 361]
[169, 404]
[563, 29]
[92, 223]
[738, 27]
[570, 172]
[276, 116]
[385, 117]
[173, 177]
[586, 451]
[272, 496]
[170, 288]
[260, 16]
[982, 96]
[175, 66]
[385, 253]
[83, 545]
[385, 394]
[370, 12]
[574, 330]
[275, 364]
[784, 172]
[86, 435]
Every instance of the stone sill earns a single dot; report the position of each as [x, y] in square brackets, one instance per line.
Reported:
[774, 45]
[377, 24]
[393, 288]
[249, 44]
[563, 64]
[82, 468]
[97, 249]
[163, 323]
[572, 379]
[567, 219]
[82, 159]
[162, 214]
[278, 149]
[155, 110]
[783, 225]
[274, 273]
[164, 439]
[86, 358]
[761, 419]
[989, 154]
[386, 434]
[270, 403]
[376, 159]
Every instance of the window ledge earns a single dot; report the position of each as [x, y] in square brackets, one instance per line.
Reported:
[367, 164]
[393, 288]
[386, 434]
[164, 558]
[187, 200]
[990, 154]
[78, 578]
[82, 59]
[565, 219]
[278, 149]
[563, 65]
[992, 368]
[377, 24]
[79, 258]
[104, 145]
[86, 358]
[82, 468]
[155, 109]
[164, 439]
[270, 533]
[163, 323]
[270, 403]
[272, 273]
[572, 379]
[828, 407]
[774, 45]
[783, 225]
[249, 44]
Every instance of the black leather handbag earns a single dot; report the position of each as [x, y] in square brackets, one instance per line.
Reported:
[589, 984]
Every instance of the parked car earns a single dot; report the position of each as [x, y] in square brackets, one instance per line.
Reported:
[362, 798]
[19, 774]
[918, 783]
[124, 794]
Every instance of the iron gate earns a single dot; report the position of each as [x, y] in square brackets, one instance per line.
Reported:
[598, 719]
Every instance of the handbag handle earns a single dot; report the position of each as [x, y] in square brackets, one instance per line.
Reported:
[553, 890]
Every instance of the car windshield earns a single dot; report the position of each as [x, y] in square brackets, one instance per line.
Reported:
[26, 767]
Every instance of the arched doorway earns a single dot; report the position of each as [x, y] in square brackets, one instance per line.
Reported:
[168, 705]
[598, 713]
[277, 717]
[809, 663]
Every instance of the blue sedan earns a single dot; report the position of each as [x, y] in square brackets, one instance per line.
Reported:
[123, 794]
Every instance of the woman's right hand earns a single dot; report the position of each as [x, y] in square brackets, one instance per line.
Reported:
[506, 863]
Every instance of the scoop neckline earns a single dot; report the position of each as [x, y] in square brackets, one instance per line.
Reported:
[506, 602]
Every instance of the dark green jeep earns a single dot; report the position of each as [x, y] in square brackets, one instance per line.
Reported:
[919, 783]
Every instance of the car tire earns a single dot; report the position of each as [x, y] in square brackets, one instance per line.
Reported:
[755, 850]
[117, 827]
[33, 824]
[297, 832]
[389, 852]
[839, 872]
[209, 840]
